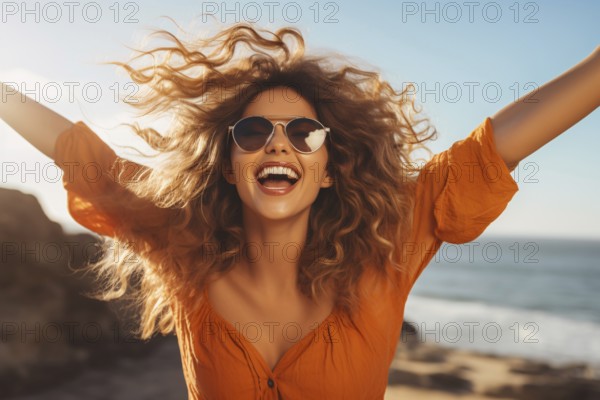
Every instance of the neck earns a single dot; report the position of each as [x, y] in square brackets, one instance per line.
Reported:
[271, 252]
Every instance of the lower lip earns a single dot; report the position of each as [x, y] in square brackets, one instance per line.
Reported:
[276, 192]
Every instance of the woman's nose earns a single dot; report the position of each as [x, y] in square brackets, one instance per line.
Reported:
[278, 141]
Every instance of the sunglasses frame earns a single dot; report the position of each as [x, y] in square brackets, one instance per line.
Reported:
[277, 118]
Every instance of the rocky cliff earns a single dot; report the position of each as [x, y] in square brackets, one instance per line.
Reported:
[49, 331]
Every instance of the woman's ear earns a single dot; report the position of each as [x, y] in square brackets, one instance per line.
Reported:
[328, 180]
[228, 172]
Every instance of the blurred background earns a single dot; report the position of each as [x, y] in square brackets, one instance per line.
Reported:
[514, 314]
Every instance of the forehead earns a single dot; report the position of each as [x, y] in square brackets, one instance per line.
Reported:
[280, 101]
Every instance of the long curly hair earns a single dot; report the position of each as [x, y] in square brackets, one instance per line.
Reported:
[206, 84]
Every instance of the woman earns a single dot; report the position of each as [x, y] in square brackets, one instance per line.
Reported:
[284, 232]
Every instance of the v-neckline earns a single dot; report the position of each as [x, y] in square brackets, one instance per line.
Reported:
[285, 357]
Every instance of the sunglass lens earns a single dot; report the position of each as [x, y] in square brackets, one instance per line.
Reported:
[306, 135]
[252, 133]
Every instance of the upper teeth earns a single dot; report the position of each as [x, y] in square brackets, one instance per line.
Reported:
[279, 171]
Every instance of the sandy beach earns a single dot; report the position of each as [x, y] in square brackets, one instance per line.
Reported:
[432, 372]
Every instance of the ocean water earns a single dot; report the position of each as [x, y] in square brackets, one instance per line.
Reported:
[537, 298]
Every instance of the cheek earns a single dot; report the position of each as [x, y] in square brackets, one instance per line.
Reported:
[316, 166]
[323, 159]
[243, 168]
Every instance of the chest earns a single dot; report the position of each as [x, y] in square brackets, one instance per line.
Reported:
[348, 360]
[271, 328]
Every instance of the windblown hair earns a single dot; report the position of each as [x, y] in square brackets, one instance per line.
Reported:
[357, 223]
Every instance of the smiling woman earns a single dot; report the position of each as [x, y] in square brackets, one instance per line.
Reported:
[340, 224]
[278, 147]
[305, 161]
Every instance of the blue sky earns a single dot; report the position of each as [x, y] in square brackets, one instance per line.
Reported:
[445, 48]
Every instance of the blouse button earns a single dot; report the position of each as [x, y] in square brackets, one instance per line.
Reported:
[270, 383]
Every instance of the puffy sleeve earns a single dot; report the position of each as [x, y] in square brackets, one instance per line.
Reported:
[468, 186]
[92, 176]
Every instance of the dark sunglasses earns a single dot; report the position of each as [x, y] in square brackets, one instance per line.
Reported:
[252, 133]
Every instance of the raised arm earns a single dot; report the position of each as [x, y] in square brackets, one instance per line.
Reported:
[99, 201]
[524, 126]
[39, 125]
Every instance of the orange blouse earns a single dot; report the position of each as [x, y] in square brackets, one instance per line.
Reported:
[460, 192]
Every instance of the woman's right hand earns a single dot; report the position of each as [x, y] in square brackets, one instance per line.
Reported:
[39, 125]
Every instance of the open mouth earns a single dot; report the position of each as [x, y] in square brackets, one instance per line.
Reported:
[277, 181]
[277, 176]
